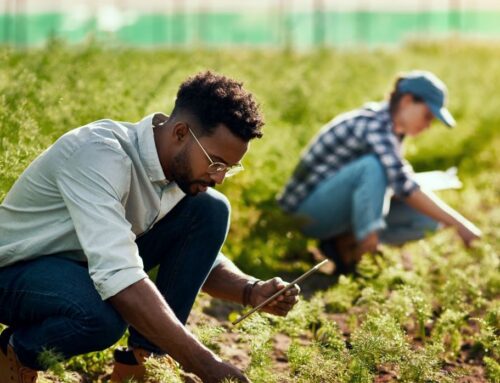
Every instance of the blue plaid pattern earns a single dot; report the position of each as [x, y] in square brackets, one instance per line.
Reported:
[344, 139]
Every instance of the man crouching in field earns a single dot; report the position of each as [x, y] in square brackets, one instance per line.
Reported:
[108, 202]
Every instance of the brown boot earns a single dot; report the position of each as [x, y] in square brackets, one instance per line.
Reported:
[12, 371]
[340, 250]
[129, 364]
[346, 252]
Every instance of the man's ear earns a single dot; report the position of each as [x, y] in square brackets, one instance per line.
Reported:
[180, 131]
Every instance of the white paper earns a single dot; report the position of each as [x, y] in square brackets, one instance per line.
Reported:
[438, 179]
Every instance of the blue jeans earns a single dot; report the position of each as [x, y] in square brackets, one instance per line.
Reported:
[51, 302]
[352, 200]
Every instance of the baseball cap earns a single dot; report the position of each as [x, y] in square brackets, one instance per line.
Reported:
[431, 89]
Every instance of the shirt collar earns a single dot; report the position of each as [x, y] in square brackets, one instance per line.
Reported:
[380, 108]
[383, 115]
[148, 152]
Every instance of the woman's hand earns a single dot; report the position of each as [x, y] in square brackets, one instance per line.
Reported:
[468, 232]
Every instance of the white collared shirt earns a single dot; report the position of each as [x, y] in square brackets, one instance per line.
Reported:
[88, 197]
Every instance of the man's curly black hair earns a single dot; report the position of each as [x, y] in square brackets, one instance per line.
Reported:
[215, 99]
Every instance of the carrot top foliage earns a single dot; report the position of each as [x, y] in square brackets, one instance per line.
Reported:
[426, 312]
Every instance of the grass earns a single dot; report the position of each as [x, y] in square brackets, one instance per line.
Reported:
[426, 312]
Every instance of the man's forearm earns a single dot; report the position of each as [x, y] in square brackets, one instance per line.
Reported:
[142, 306]
[227, 282]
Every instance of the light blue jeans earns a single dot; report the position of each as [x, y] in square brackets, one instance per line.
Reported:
[352, 200]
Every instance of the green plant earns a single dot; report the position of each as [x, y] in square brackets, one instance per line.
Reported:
[162, 370]
[424, 366]
[311, 364]
[492, 369]
[378, 341]
[488, 338]
[52, 361]
[341, 297]
[209, 335]
[448, 330]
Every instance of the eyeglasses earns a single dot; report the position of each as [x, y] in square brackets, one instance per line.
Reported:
[218, 167]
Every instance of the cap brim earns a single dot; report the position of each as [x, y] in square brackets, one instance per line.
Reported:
[443, 115]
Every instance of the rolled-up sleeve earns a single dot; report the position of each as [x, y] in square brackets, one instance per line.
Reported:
[220, 258]
[94, 184]
[388, 149]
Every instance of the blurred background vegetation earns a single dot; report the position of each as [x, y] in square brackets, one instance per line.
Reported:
[46, 92]
[263, 23]
[64, 64]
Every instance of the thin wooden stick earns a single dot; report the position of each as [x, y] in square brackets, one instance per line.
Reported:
[278, 293]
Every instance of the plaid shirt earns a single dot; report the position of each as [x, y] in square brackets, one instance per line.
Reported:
[343, 140]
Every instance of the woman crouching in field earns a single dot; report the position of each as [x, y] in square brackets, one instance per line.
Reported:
[341, 189]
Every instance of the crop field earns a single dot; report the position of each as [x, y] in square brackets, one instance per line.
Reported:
[425, 312]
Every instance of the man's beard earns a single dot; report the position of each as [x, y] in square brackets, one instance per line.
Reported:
[183, 176]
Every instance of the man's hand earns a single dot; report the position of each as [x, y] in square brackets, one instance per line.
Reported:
[281, 305]
[215, 370]
[143, 306]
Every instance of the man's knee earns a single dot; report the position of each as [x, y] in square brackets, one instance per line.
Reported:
[103, 325]
[213, 207]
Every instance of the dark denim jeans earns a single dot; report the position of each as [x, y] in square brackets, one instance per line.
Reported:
[51, 302]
